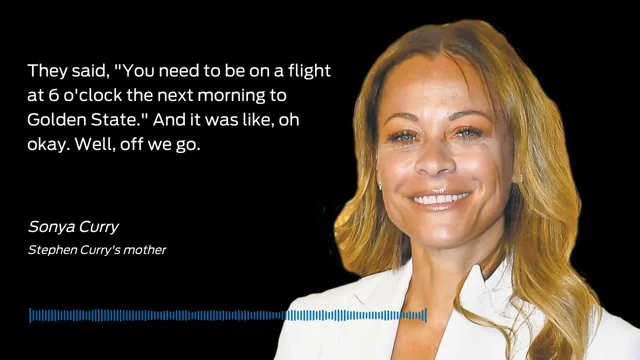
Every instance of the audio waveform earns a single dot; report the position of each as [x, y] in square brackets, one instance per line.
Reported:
[102, 315]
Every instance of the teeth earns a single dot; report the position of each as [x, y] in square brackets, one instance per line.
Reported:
[440, 199]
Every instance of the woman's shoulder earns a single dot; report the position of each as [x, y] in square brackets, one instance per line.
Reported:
[614, 338]
[302, 336]
[336, 296]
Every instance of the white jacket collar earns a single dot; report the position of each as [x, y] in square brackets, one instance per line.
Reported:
[488, 298]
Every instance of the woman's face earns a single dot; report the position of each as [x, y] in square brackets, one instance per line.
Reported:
[443, 162]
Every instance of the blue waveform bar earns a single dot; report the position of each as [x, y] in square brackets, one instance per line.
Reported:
[101, 315]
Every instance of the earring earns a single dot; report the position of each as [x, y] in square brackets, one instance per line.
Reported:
[380, 185]
[521, 178]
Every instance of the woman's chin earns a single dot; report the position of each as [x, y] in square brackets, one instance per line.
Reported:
[444, 238]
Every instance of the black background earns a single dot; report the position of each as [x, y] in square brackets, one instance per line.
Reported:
[247, 220]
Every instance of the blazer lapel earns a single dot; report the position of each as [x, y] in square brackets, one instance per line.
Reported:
[374, 339]
[489, 299]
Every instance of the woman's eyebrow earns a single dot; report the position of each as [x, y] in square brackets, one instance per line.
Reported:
[402, 115]
[452, 116]
[459, 114]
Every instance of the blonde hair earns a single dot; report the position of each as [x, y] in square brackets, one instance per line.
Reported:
[542, 211]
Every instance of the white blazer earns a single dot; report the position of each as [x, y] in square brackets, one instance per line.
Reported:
[616, 339]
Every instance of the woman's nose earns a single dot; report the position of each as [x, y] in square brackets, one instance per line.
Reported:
[435, 159]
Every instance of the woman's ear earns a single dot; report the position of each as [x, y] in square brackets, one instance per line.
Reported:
[516, 175]
[378, 180]
[514, 160]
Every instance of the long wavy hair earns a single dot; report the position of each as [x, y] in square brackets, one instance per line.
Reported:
[541, 213]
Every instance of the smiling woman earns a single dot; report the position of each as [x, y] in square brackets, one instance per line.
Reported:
[437, 141]
[466, 207]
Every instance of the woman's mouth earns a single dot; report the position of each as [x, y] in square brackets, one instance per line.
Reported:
[440, 199]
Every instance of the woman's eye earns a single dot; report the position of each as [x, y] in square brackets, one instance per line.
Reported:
[403, 136]
[468, 132]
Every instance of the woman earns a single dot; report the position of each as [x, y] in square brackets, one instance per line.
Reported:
[465, 207]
